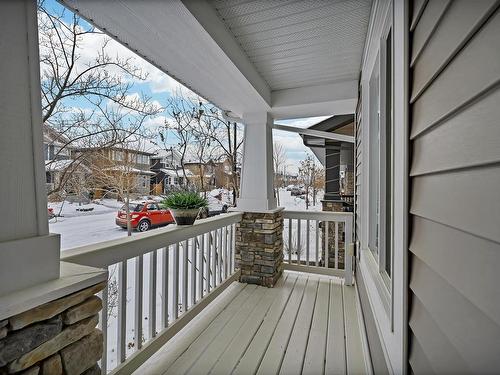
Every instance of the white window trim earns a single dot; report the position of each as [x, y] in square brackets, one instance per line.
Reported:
[389, 306]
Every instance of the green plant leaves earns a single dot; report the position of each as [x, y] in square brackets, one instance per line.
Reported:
[184, 200]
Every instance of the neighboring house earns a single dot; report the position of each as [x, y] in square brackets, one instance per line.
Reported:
[126, 164]
[63, 175]
[336, 157]
[216, 174]
[168, 174]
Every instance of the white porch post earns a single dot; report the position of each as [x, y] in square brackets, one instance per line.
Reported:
[28, 253]
[256, 190]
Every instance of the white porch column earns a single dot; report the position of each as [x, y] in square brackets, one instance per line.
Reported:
[256, 190]
[28, 253]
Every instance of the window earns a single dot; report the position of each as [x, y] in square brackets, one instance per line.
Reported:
[152, 207]
[381, 163]
[374, 160]
[117, 155]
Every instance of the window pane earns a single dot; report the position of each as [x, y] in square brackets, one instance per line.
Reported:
[389, 154]
[374, 171]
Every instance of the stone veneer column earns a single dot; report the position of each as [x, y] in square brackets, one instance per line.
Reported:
[56, 338]
[259, 247]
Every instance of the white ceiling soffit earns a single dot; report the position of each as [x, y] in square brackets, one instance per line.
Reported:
[168, 35]
[297, 43]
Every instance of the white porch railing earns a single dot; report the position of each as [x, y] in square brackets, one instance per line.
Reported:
[186, 268]
[306, 235]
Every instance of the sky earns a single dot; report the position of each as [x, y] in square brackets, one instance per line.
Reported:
[160, 87]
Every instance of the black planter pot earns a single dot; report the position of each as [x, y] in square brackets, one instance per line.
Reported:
[185, 217]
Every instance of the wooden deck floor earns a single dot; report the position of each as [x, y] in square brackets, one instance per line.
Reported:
[307, 324]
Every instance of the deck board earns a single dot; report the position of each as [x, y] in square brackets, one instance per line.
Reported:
[271, 363]
[335, 346]
[306, 324]
[251, 359]
[164, 358]
[353, 342]
[314, 361]
[248, 332]
[189, 357]
[297, 345]
[233, 331]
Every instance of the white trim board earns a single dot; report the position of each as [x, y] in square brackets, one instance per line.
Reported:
[315, 133]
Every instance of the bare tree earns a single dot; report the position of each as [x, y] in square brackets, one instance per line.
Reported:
[183, 113]
[201, 131]
[279, 161]
[309, 172]
[100, 84]
[114, 171]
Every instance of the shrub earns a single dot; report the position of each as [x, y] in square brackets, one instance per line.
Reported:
[184, 200]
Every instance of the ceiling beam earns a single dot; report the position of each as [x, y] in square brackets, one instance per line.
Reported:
[320, 100]
[315, 133]
[207, 16]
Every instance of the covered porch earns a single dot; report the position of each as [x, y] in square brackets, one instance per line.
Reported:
[228, 294]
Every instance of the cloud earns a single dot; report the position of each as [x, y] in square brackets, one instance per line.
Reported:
[90, 45]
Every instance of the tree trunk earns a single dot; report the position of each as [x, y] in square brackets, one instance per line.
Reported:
[127, 210]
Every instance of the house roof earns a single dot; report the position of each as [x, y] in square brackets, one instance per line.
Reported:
[123, 168]
[176, 172]
[341, 124]
[54, 137]
[57, 165]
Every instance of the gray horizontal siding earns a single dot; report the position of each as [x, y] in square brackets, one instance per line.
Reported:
[454, 315]
[474, 70]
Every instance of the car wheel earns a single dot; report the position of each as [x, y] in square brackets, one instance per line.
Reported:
[143, 226]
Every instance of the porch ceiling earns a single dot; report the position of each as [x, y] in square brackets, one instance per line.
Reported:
[291, 58]
[299, 43]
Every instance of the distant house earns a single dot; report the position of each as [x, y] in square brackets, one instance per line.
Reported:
[168, 174]
[214, 174]
[130, 160]
[336, 157]
[62, 172]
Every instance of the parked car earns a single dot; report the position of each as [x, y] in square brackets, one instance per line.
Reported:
[216, 205]
[290, 187]
[144, 216]
[298, 191]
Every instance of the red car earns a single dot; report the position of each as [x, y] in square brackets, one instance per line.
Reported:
[144, 215]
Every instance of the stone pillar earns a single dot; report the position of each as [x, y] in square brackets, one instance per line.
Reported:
[29, 254]
[56, 338]
[259, 247]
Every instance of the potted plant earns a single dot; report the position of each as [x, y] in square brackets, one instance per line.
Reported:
[185, 206]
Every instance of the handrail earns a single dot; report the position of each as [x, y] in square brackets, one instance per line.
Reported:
[317, 215]
[110, 252]
[194, 264]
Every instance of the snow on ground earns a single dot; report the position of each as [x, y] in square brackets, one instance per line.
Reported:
[299, 204]
[79, 228]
